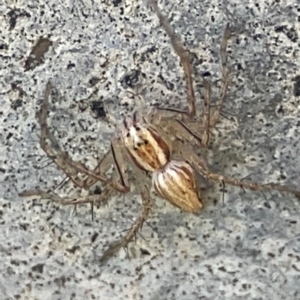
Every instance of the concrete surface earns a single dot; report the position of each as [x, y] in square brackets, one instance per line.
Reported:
[100, 53]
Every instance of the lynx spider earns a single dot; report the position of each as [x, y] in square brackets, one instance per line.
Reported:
[150, 150]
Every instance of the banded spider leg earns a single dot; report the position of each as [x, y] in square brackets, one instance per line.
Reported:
[208, 121]
[71, 168]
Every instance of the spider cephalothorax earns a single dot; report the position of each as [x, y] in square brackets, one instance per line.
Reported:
[153, 141]
[147, 149]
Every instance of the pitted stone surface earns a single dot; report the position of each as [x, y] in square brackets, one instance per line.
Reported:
[104, 59]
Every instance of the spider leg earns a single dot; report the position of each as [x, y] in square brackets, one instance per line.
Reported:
[136, 226]
[254, 186]
[119, 179]
[204, 171]
[184, 59]
[102, 167]
[71, 168]
[69, 201]
[209, 120]
[225, 77]
[206, 112]
[114, 155]
[54, 152]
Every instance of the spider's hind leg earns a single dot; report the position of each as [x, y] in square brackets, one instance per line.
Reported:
[136, 226]
[201, 167]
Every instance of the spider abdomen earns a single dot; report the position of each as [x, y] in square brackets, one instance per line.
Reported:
[176, 183]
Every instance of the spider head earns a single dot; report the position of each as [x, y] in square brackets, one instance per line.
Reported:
[145, 146]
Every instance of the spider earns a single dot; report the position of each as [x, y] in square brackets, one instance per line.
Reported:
[156, 142]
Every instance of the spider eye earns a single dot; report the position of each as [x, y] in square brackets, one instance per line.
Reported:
[128, 134]
[137, 128]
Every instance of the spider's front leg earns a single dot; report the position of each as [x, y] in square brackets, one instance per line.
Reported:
[71, 168]
[168, 116]
[225, 78]
[52, 148]
[208, 121]
[184, 59]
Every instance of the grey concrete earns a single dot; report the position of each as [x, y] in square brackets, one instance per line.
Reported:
[245, 248]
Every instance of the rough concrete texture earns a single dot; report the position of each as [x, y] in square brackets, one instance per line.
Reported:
[104, 58]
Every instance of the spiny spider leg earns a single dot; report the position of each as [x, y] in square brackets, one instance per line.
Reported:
[89, 181]
[204, 171]
[225, 77]
[119, 181]
[113, 156]
[54, 152]
[70, 201]
[72, 168]
[183, 54]
[206, 112]
[136, 226]
[185, 61]
[251, 185]
[207, 120]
